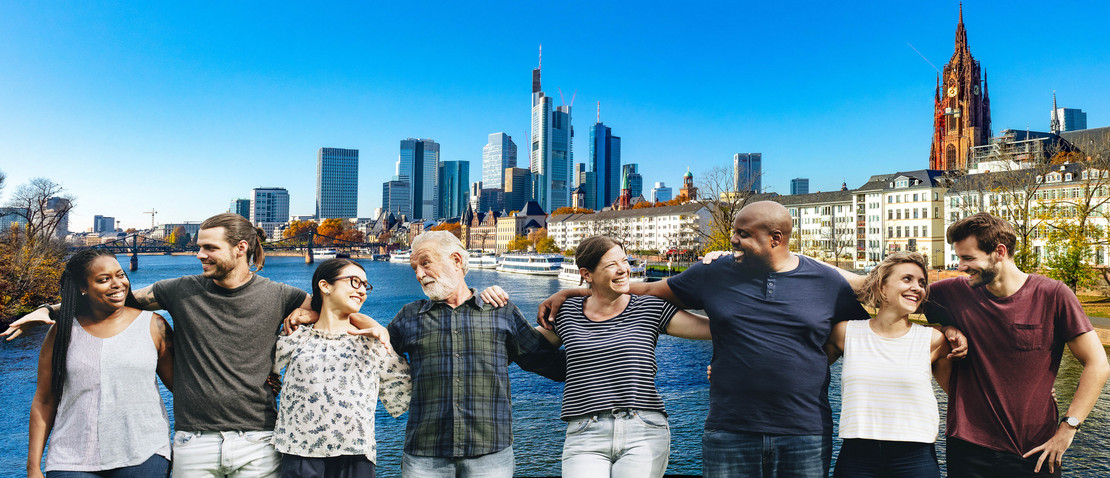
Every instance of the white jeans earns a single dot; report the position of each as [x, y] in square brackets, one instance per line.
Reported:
[619, 444]
[219, 454]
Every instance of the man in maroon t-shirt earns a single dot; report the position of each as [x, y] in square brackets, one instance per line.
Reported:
[1002, 419]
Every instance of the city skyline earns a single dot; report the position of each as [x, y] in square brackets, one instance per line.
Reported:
[182, 111]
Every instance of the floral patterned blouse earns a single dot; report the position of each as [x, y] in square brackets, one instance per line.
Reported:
[331, 389]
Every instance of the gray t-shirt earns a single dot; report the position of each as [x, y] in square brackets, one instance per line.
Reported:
[223, 350]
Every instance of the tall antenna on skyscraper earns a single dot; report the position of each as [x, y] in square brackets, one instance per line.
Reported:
[598, 111]
[540, 65]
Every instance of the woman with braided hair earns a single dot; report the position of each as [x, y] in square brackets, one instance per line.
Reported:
[97, 397]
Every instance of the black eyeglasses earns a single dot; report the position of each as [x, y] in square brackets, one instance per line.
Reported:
[356, 282]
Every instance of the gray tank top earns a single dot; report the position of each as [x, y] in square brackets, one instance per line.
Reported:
[110, 414]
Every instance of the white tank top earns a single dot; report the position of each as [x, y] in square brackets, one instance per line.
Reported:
[110, 415]
[886, 389]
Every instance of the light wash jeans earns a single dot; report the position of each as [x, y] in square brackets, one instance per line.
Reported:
[219, 454]
[494, 465]
[620, 444]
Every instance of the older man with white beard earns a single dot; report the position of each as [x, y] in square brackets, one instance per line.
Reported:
[460, 347]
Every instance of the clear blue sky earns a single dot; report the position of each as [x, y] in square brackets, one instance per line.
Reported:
[182, 107]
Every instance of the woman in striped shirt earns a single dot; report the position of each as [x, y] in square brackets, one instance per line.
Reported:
[888, 414]
[616, 423]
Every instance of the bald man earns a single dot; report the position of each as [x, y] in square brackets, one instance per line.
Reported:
[770, 312]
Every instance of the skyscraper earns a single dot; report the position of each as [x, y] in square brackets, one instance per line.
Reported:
[799, 186]
[336, 183]
[747, 172]
[605, 161]
[1067, 119]
[454, 181]
[635, 180]
[498, 154]
[418, 165]
[104, 223]
[241, 207]
[551, 155]
[661, 193]
[396, 198]
[518, 188]
[269, 205]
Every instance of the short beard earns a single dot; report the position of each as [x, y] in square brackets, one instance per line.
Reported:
[440, 289]
[220, 270]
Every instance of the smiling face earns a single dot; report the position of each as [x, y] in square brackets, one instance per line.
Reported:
[438, 277]
[904, 288]
[216, 255]
[751, 241]
[981, 267]
[611, 273]
[340, 296]
[106, 284]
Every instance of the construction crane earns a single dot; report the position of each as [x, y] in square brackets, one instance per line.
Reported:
[152, 212]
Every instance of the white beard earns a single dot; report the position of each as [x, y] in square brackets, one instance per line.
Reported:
[440, 289]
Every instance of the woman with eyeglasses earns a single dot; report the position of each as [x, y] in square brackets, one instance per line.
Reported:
[325, 422]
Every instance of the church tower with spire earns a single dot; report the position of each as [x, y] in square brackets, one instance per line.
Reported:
[962, 111]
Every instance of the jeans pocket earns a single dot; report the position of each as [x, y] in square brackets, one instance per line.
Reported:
[579, 425]
[652, 419]
[259, 438]
[181, 438]
[1029, 336]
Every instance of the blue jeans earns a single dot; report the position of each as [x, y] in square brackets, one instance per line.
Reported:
[156, 465]
[867, 458]
[494, 465]
[219, 454]
[619, 444]
[727, 454]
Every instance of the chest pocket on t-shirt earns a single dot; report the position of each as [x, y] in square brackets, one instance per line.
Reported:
[1029, 336]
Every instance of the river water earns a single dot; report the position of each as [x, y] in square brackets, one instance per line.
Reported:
[537, 429]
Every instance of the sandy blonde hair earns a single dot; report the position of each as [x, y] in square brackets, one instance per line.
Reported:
[871, 292]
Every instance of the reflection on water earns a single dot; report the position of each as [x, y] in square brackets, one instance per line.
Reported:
[537, 429]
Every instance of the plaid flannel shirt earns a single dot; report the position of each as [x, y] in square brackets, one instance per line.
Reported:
[461, 404]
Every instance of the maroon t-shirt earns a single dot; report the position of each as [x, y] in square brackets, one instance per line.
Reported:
[1001, 394]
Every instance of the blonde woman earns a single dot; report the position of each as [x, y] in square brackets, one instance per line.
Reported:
[888, 412]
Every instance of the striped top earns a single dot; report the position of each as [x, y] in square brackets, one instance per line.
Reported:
[886, 386]
[110, 414]
[611, 364]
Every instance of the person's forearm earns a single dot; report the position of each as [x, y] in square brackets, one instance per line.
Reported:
[42, 420]
[1091, 382]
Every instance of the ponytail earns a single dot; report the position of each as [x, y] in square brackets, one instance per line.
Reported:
[238, 228]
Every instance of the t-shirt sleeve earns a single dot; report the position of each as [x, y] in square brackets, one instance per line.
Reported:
[936, 310]
[666, 310]
[687, 285]
[294, 297]
[1071, 320]
[165, 291]
[847, 304]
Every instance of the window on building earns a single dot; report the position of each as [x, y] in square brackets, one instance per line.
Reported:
[899, 215]
[915, 198]
[924, 231]
[915, 213]
[915, 231]
[889, 231]
[925, 213]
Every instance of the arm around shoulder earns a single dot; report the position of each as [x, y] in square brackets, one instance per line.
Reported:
[162, 333]
[834, 345]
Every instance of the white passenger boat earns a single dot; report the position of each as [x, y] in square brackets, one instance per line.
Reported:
[569, 271]
[482, 260]
[531, 264]
[401, 256]
[321, 254]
